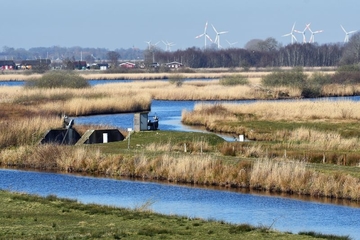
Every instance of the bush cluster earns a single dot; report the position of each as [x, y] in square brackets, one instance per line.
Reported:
[312, 86]
[234, 80]
[58, 79]
[347, 74]
[293, 78]
[177, 80]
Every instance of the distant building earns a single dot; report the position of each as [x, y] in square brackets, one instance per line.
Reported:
[127, 65]
[155, 65]
[7, 65]
[174, 65]
[80, 65]
[29, 64]
[102, 66]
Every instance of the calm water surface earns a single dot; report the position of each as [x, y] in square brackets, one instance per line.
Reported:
[286, 214]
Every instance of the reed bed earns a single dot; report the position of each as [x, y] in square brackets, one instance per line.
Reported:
[76, 102]
[196, 146]
[26, 131]
[289, 110]
[264, 174]
[312, 139]
[340, 90]
[296, 177]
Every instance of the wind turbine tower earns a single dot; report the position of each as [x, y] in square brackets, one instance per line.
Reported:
[151, 46]
[217, 38]
[291, 34]
[303, 32]
[312, 38]
[205, 35]
[347, 34]
[168, 45]
[231, 43]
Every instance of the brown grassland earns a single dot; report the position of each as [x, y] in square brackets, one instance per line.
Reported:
[294, 142]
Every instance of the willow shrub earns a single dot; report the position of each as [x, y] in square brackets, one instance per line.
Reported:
[234, 80]
[293, 78]
[177, 80]
[58, 79]
[347, 74]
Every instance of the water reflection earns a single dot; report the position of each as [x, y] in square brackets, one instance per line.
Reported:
[285, 213]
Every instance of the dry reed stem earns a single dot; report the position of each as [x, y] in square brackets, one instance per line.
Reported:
[25, 131]
[77, 102]
[294, 176]
[270, 175]
[313, 139]
[290, 110]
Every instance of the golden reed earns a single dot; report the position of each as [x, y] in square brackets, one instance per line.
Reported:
[268, 175]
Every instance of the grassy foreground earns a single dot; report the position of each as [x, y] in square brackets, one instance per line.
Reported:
[32, 217]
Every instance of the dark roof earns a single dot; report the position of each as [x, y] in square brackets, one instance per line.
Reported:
[36, 62]
[7, 63]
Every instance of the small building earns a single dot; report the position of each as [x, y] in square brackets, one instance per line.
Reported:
[174, 65]
[62, 136]
[128, 65]
[30, 64]
[103, 66]
[80, 65]
[143, 123]
[7, 65]
[101, 136]
[154, 65]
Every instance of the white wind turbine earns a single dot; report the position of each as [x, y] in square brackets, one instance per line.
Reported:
[168, 45]
[151, 46]
[303, 32]
[312, 38]
[291, 34]
[205, 35]
[217, 38]
[347, 34]
[231, 43]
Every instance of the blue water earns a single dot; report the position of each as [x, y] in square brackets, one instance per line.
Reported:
[169, 113]
[286, 214]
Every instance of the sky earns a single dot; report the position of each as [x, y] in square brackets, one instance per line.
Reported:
[115, 24]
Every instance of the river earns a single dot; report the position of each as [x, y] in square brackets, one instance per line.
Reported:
[284, 214]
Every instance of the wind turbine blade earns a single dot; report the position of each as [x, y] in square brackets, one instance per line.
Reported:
[214, 28]
[206, 24]
[293, 27]
[351, 32]
[343, 29]
[199, 36]
[223, 32]
[209, 38]
[286, 35]
[294, 37]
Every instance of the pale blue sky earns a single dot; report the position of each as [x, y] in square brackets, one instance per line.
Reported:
[115, 24]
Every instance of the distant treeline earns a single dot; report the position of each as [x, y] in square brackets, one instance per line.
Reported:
[257, 53]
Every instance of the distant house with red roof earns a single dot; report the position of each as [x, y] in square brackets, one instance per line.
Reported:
[127, 65]
[7, 65]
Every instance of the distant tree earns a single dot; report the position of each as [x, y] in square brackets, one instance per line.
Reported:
[253, 45]
[351, 53]
[68, 63]
[114, 58]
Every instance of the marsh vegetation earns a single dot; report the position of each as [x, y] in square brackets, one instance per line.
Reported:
[291, 135]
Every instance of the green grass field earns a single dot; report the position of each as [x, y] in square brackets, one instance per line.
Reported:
[25, 216]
